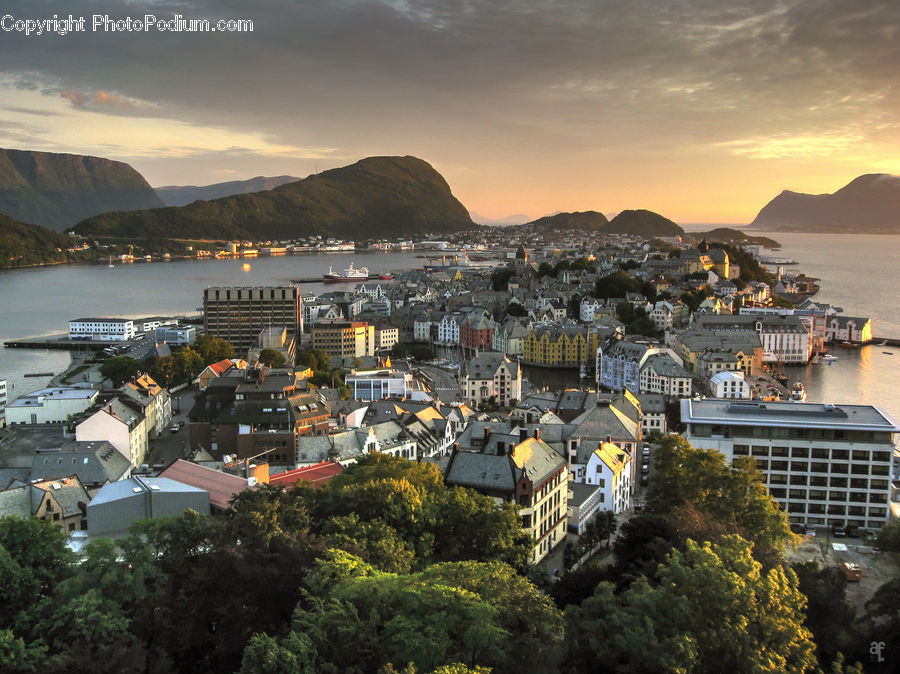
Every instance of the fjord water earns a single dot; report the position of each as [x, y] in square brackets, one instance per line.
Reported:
[860, 273]
[42, 300]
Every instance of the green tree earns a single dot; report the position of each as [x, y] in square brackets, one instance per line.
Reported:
[272, 358]
[705, 498]
[888, 538]
[616, 285]
[711, 610]
[187, 364]
[500, 278]
[213, 349]
[17, 656]
[120, 369]
[161, 369]
[829, 616]
[468, 613]
[315, 359]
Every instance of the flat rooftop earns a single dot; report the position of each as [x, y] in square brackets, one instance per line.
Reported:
[787, 414]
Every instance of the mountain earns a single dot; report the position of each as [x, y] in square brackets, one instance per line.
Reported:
[58, 190]
[174, 195]
[642, 223]
[580, 220]
[377, 196]
[22, 244]
[869, 204]
[731, 235]
[508, 221]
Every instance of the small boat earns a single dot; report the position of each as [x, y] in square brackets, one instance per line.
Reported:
[386, 277]
[828, 358]
[888, 353]
[848, 345]
[350, 275]
[798, 393]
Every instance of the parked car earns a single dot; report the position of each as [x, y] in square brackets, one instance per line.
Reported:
[852, 571]
[838, 531]
[810, 531]
[175, 428]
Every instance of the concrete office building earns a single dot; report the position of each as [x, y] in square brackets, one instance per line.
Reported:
[825, 464]
[239, 314]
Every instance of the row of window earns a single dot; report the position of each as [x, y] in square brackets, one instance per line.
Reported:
[814, 452]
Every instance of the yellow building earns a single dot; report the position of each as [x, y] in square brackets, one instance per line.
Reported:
[560, 346]
[344, 339]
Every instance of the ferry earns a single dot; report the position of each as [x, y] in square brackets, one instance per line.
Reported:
[350, 275]
[798, 393]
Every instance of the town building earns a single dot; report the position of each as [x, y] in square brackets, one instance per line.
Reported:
[491, 376]
[823, 463]
[54, 405]
[785, 339]
[344, 339]
[560, 346]
[583, 505]
[277, 338]
[62, 501]
[607, 468]
[118, 505]
[102, 329]
[848, 329]
[238, 314]
[730, 385]
[179, 335]
[522, 470]
[120, 422]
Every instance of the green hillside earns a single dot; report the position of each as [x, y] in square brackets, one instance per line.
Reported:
[642, 223]
[377, 196]
[57, 190]
[23, 245]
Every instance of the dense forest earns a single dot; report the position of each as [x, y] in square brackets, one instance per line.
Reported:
[386, 569]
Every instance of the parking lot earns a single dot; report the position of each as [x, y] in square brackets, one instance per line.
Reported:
[877, 567]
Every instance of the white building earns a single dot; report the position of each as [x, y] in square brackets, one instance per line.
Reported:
[491, 375]
[378, 384]
[448, 329]
[589, 308]
[50, 405]
[104, 329]
[607, 468]
[176, 334]
[785, 339]
[848, 329]
[663, 373]
[730, 385]
[122, 425]
[825, 464]
[2, 393]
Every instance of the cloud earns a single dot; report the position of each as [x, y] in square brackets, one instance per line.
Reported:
[489, 89]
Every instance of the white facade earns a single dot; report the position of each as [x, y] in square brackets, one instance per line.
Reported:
[2, 393]
[50, 405]
[421, 330]
[119, 425]
[589, 308]
[104, 329]
[730, 385]
[378, 384]
[448, 330]
[825, 464]
[607, 468]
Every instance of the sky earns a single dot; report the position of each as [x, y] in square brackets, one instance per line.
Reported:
[701, 110]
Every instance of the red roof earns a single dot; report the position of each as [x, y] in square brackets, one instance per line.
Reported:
[221, 486]
[221, 367]
[318, 474]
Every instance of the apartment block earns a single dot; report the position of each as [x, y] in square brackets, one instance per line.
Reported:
[825, 464]
[239, 314]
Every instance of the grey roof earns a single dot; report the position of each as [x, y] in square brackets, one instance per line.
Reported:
[16, 502]
[652, 402]
[664, 366]
[602, 422]
[482, 471]
[486, 364]
[18, 443]
[68, 492]
[125, 489]
[581, 492]
[788, 414]
[94, 462]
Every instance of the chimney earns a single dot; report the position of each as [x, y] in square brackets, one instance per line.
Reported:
[609, 439]
[523, 434]
[487, 434]
[537, 433]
